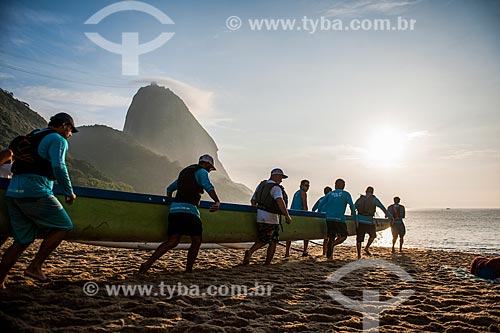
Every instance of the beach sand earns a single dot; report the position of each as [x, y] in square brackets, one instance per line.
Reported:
[443, 301]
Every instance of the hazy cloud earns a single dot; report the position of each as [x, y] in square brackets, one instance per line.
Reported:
[89, 107]
[20, 42]
[418, 134]
[200, 102]
[67, 96]
[5, 76]
[339, 152]
[224, 123]
[364, 7]
[463, 154]
[22, 14]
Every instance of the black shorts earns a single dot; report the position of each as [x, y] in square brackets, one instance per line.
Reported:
[398, 229]
[184, 224]
[364, 229]
[268, 233]
[334, 229]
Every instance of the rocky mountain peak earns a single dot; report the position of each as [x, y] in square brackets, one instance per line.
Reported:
[161, 121]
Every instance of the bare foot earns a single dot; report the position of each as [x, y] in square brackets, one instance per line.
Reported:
[36, 274]
[368, 253]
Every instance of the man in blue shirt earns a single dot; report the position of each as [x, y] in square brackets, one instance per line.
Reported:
[334, 205]
[397, 227]
[315, 208]
[184, 216]
[326, 190]
[30, 202]
[299, 202]
[366, 206]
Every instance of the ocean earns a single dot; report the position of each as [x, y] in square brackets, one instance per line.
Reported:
[469, 230]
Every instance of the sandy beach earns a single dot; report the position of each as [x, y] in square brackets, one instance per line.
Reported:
[443, 301]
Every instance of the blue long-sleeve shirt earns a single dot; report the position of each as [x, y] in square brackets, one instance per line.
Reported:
[53, 147]
[364, 219]
[201, 177]
[316, 205]
[334, 205]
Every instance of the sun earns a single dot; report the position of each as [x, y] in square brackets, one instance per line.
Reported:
[386, 147]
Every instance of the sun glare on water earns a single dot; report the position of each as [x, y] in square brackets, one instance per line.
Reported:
[384, 238]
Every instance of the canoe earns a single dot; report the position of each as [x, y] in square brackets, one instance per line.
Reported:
[153, 246]
[115, 216]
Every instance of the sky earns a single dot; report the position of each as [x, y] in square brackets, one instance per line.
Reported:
[411, 112]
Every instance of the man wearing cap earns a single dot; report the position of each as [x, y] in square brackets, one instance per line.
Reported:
[31, 205]
[184, 216]
[270, 199]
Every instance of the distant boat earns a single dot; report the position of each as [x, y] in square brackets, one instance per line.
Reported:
[448, 208]
[114, 216]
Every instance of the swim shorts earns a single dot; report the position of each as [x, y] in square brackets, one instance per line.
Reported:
[184, 224]
[334, 228]
[364, 229]
[398, 229]
[268, 233]
[28, 216]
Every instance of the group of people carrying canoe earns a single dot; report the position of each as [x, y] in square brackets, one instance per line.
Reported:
[271, 201]
[39, 160]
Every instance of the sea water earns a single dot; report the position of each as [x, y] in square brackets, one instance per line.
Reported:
[470, 230]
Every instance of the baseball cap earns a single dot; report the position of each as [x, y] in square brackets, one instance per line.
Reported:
[65, 119]
[207, 158]
[278, 171]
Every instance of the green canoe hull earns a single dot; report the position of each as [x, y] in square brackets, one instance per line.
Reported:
[103, 215]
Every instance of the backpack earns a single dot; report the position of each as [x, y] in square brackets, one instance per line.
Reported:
[26, 157]
[395, 210]
[366, 205]
[188, 190]
[264, 199]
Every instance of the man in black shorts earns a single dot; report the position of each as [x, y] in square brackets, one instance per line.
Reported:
[184, 217]
[334, 205]
[366, 206]
[270, 199]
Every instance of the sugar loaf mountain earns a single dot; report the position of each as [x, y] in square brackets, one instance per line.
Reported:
[160, 137]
